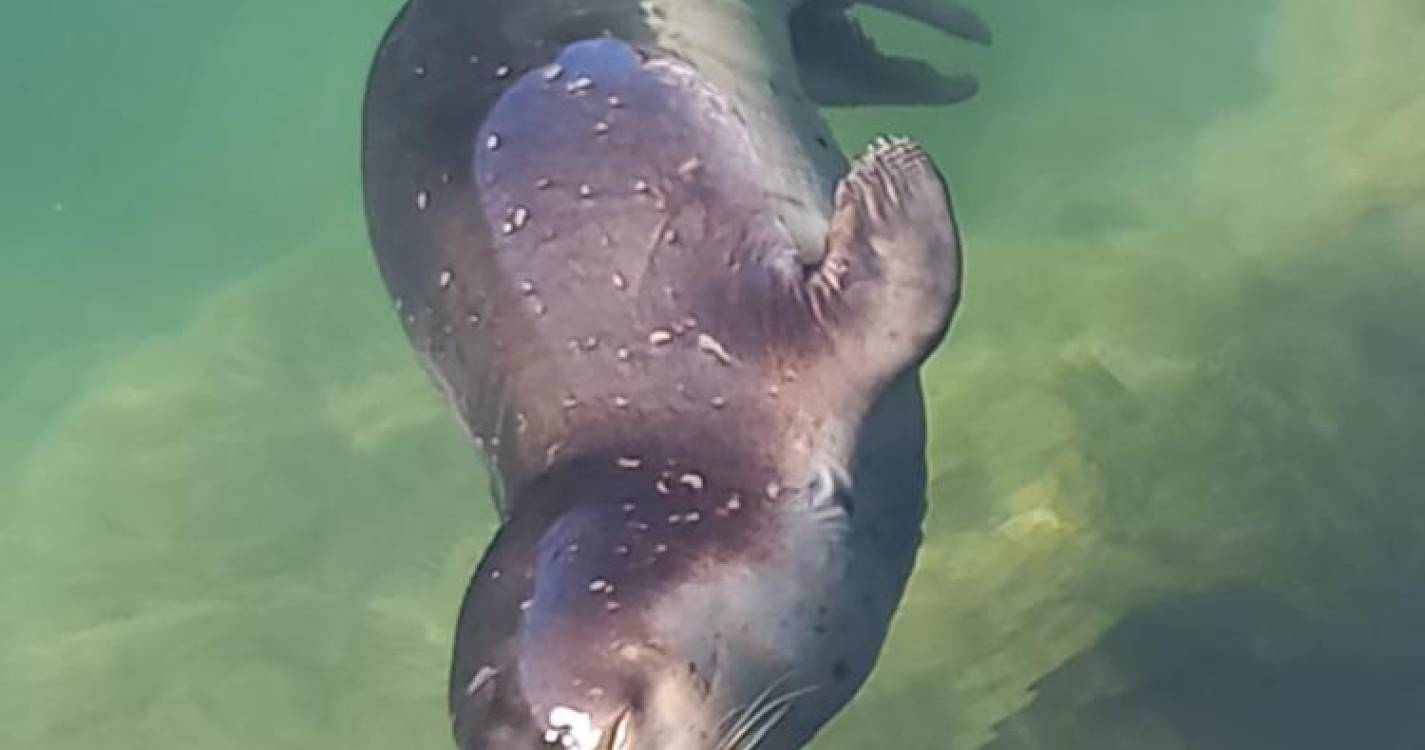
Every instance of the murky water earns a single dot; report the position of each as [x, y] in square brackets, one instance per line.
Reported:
[1177, 430]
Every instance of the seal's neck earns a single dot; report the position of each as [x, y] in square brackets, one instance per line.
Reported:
[744, 48]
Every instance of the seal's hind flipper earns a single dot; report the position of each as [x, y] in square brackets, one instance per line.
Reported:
[949, 17]
[840, 66]
[891, 275]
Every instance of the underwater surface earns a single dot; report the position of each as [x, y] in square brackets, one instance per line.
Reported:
[1178, 429]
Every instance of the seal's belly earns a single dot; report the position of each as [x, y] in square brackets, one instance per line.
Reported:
[623, 190]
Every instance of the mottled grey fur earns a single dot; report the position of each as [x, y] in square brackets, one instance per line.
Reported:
[709, 447]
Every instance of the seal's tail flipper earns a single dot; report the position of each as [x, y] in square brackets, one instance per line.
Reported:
[840, 66]
[950, 17]
[891, 274]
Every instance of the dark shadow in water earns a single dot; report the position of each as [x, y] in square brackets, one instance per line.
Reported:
[1230, 669]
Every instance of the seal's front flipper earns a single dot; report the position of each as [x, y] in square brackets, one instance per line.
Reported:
[840, 66]
[890, 281]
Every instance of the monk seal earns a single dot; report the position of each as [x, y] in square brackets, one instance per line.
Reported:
[686, 335]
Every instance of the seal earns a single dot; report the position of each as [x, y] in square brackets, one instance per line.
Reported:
[686, 335]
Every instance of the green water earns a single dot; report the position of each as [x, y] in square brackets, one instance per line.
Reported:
[1178, 442]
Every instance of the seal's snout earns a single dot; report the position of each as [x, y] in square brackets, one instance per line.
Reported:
[645, 701]
[841, 66]
[585, 663]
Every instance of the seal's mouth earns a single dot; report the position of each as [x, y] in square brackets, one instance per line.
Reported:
[840, 65]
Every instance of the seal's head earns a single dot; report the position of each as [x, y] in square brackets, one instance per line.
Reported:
[645, 610]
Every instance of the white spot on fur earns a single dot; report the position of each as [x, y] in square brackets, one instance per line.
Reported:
[481, 679]
[690, 167]
[714, 347]
[519, 217]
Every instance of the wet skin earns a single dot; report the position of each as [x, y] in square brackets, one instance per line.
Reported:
[694, 376]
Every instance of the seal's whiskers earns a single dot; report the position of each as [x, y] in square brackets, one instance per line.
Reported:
[767, 726]
[741, 716]
[760, 716]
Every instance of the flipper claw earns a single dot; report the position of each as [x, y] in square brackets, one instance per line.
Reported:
[893, 257]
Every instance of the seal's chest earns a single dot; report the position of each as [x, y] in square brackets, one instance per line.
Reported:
[809, 620]
[824, 609]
